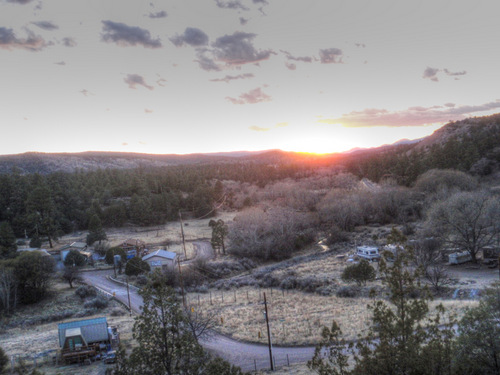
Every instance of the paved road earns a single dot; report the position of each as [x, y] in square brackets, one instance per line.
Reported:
[247, 356]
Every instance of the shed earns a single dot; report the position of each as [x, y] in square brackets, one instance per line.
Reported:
[160, 259]
[91, 330]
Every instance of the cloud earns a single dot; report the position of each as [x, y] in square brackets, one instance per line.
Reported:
[290, 66]
[86, 92]
[463, 72]
[8, 40]
[232, 78]
[243, 21]
[362, 45]
[192, 36]
[19, 1]
[124, 144]
[330, 56]
[146, 110]
[135, 79]
[237, 49]
[206, 63]
[431, 73]
[60, 63]
[69, 42]
[160, 14]
[281, 124]
[413, 116]
[46, 25]
[251, 97]
[307, 59]
[258, 128]
[125, 35]
[231, 4]
[161, 82]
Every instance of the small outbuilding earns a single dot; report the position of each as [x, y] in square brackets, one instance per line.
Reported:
[161, 259]
[89, 331]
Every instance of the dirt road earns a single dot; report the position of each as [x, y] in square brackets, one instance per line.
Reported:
[247, 356]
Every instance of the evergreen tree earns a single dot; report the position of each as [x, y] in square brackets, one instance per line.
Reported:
[219, 233]
[8, 245]
[96, 233]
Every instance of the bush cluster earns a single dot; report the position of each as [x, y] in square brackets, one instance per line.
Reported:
[85, 291]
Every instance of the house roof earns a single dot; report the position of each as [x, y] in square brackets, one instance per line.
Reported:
[79, 245]
[93, 330]
[162, 254]
[133, 242]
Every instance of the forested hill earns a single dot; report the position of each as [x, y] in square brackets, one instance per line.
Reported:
[45, 163]
[471, 145]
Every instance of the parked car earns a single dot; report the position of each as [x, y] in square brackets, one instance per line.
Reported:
[110, 357]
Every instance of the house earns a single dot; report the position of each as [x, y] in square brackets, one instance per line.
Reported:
[84, 340]
[88, 331]
[368, 252]
[134, 244]
[161, 259]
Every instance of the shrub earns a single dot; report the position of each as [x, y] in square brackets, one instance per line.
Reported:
[347, 292]
[98, 302]
[136, 266]
[115, 251]
[74, 258]
[85, 291]
[359, 273]
[141, 280]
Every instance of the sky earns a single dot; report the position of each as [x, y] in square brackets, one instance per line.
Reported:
[190, 76]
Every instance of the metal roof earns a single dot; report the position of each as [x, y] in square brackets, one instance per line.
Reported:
[162, 254]
[93, 330]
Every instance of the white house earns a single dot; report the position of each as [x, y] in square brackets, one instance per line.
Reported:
[161, 259]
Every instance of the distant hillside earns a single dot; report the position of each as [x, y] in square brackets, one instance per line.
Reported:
[471, 145]
[44, 163]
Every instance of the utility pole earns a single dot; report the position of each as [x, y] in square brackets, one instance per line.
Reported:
[182, 283]
[128, 294]
[114, 262]
[182, 233]
[268, 334]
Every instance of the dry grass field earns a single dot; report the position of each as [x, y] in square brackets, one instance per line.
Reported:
[296, 317]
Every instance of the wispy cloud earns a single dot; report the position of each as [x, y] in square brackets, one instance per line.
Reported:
[159, 14]
[205, 62]
[289, 56]
[86, 92]
[251, 97]
[231, 4]
[20, 1]
[413, 116]
[330, 56]
[46, 25]
[432, 73]
[135, 79]
[228, 78]
[9, 40]
[125, 35]
[69, 42]
[258, 128]
[191, 36]
[237, 49]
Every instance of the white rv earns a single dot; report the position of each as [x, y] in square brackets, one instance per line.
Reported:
[459, 258]
[368, 252]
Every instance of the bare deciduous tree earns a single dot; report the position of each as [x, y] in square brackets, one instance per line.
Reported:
[467, 220]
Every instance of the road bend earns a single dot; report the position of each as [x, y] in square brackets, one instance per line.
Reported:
[245, 355]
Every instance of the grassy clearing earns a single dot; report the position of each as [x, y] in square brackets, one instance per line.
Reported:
[296, 317]
[157, 236]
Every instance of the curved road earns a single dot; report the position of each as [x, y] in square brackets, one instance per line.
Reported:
[247, 356]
